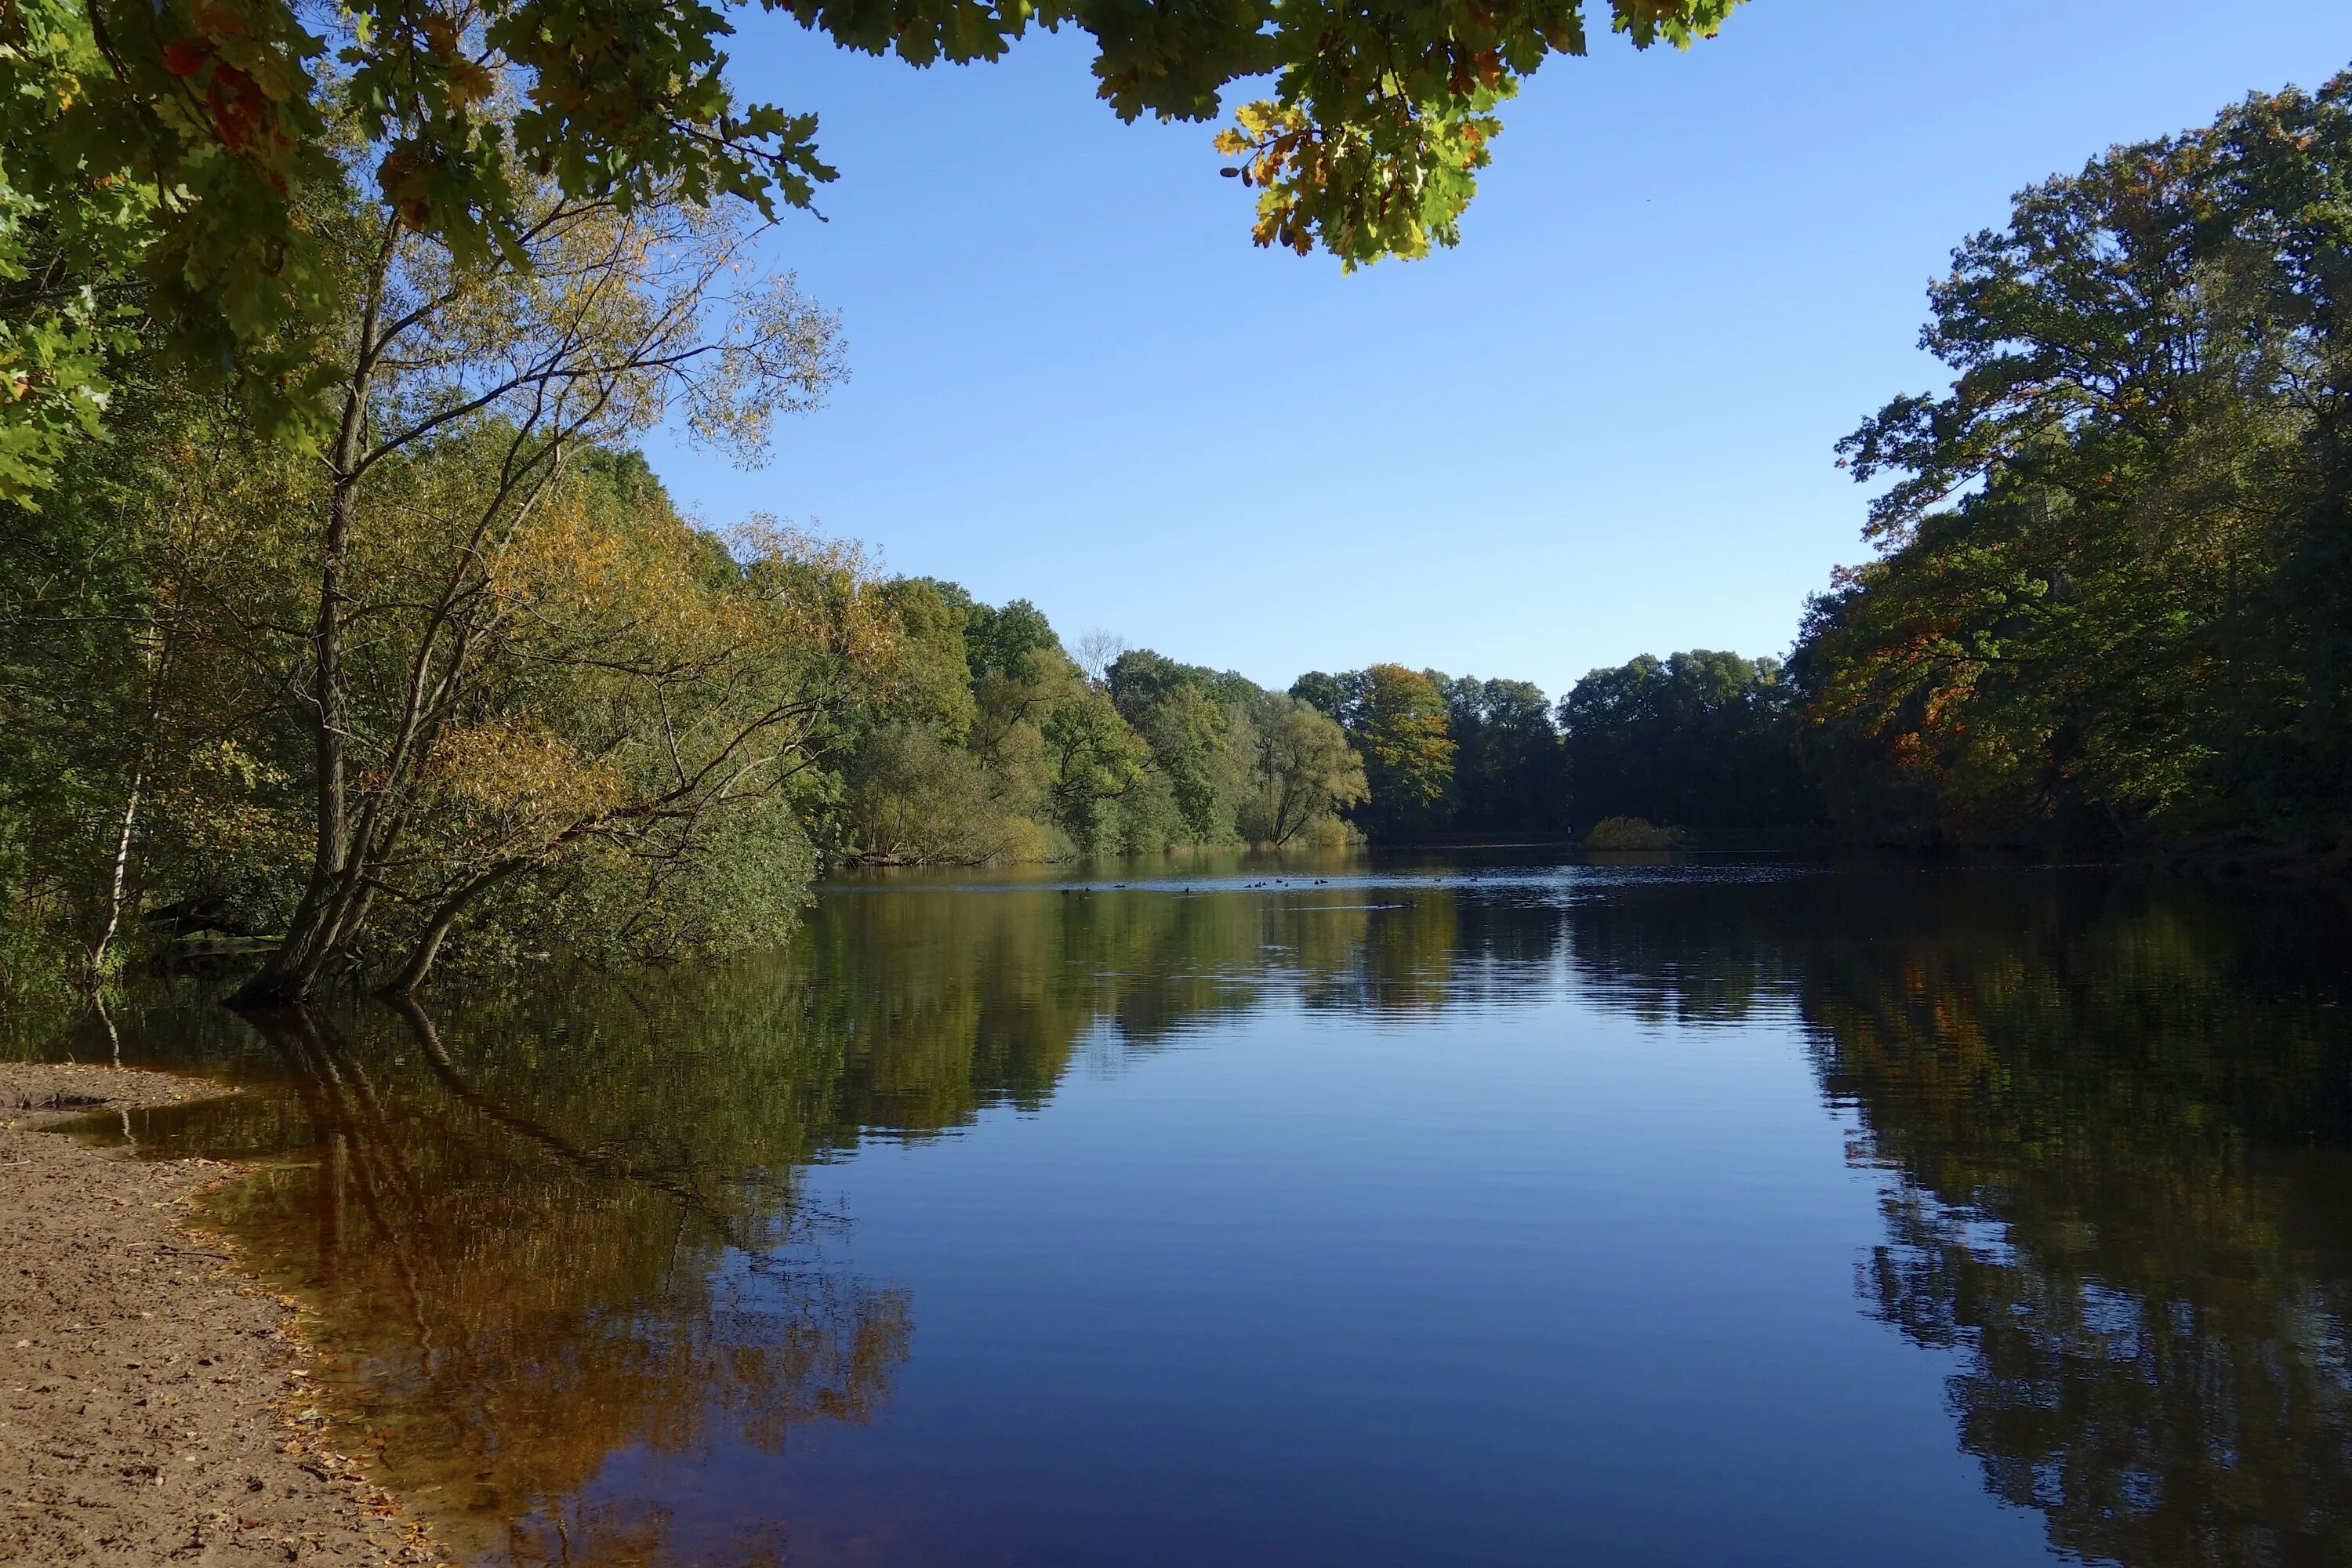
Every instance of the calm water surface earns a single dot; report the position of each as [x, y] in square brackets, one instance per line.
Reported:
[1368, 1214]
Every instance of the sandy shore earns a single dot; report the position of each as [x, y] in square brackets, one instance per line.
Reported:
[152, 1401]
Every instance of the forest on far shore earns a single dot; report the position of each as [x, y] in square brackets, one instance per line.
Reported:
[452, 675]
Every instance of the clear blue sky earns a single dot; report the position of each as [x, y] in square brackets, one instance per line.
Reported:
[1600, 427]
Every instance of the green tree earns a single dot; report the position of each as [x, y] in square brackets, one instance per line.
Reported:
[1099, 778]
[1020, 677]
[1299, 772]
[1329, 695]
[933, 682]
[1701, 740]
[606, 320]
[1398, 722]
[1002, 641]
[98, 726]
[2109, 600]
[914, 790]
[1508, 770]
[914, 797]
[562, 713]
[1196, 721]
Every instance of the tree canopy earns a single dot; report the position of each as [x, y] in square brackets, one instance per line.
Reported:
[1702, 739]
[2113, 585]
[167, 157]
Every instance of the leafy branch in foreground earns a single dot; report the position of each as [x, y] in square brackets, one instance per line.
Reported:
[166, 156]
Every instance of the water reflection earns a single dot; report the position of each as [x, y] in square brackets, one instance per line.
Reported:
[2114, 1127]
[524, 1272]
[567, 1230]
[2120, 1188]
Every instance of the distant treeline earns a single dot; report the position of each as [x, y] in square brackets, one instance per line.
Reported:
[1701, 740]
[1016, 750]
[1035, 758]
[994, 743]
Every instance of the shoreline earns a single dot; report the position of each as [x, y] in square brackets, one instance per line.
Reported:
[154, 1402]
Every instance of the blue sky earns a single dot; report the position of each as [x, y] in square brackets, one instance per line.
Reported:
[1602, 427]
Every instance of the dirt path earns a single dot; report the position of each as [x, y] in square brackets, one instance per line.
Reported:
[151, 1400]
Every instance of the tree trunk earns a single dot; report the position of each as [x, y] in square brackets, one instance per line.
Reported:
[319, 928]
[116, 884]
[291, 974]
[437, 930]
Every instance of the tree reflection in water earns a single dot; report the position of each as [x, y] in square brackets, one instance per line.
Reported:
[560, 1230]
[513, 1304]
[2113, 1124]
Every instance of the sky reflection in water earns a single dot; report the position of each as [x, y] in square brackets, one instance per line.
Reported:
[1392, 1214]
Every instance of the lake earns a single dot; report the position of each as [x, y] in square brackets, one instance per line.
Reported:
[1405, 1211]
